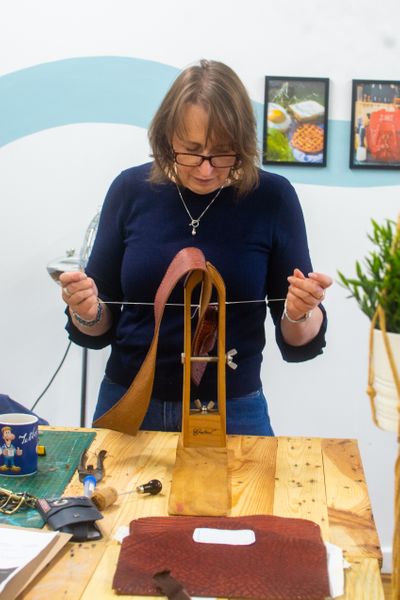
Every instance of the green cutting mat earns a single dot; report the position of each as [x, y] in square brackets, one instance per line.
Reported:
[55, 470]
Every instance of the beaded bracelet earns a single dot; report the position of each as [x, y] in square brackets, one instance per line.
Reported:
[306, 316]
[94, 321]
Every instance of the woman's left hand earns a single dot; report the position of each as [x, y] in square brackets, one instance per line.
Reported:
[305, 293]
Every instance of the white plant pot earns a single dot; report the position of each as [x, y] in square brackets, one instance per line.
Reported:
[387, 401]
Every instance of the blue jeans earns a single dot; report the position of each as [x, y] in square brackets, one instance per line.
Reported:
[245, 415]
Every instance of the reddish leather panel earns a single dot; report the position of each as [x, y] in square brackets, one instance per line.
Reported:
[204, 341]
[288, 560]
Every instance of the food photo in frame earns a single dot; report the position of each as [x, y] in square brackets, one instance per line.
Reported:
[296, 121]
[375, 125]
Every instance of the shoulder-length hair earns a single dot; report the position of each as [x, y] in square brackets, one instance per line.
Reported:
[216, 87]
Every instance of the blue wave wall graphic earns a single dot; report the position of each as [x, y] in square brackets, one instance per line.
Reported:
[116, 89]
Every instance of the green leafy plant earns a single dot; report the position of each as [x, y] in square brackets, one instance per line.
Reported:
[278, 146]
[377, 280]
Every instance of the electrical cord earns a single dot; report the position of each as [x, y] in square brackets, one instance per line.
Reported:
[53, 377]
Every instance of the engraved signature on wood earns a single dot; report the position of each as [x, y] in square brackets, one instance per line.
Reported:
[203, 431]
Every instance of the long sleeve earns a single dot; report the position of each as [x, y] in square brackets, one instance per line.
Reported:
[104, 265]
[290, 250]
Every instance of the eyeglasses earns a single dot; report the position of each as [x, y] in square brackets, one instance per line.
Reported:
[219, 161]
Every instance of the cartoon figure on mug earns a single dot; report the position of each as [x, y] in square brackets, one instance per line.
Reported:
[8, 450]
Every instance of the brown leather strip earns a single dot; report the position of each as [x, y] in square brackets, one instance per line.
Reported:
[172, 588]
[128, 413]
[204, 341]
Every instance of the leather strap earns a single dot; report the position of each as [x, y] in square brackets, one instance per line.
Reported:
[169, 586]
[128, 413]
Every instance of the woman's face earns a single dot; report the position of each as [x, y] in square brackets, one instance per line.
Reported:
[204, 178]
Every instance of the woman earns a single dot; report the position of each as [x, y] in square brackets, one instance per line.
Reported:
[203, 189]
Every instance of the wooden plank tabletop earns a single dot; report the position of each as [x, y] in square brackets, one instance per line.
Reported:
[318, 479]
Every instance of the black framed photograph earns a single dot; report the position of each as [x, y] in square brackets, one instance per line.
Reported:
[375, 124]
[296, 121]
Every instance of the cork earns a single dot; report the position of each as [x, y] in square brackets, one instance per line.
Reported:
[104, 497]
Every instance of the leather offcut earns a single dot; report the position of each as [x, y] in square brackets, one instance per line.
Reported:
[288, 559]
[172, 588]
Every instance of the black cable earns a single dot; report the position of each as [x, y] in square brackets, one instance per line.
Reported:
[54, 376]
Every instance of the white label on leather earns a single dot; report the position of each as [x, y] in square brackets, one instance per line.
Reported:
[233, 537]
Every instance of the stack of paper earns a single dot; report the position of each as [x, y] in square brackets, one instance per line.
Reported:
[23, 554]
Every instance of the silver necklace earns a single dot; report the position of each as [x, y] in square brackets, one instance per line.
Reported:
[194, 223]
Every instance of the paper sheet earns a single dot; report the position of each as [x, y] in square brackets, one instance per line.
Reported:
[18, 547]
[233, 537]
[336, 566]
[23, 554]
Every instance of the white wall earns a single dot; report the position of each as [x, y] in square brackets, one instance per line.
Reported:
[52, 181]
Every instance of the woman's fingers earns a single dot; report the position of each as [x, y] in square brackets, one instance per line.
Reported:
[80, 293]
[79, 287]
[80, 296]
[87, 308]
[314, 285]
[305, 293]
[305, 289]
[71, 276]
[324, 280]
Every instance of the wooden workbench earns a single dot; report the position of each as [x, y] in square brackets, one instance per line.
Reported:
[312, 478]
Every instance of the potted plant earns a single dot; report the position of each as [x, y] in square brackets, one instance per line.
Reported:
[376, 288]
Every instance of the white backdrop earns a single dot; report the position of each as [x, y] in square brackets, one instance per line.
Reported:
[52, 182]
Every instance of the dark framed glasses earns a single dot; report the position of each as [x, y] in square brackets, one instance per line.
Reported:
[219, 161]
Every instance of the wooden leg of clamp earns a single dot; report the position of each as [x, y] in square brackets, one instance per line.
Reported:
[200, 482]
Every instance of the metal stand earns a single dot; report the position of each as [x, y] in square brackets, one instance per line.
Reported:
[84, 386]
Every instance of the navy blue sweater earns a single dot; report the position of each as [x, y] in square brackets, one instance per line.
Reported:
[255, 242]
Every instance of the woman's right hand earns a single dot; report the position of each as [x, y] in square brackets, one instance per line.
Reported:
[80, 293]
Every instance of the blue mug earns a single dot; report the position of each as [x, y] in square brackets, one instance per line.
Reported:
[18, 444]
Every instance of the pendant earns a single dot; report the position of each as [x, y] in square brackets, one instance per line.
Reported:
[194, 225]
